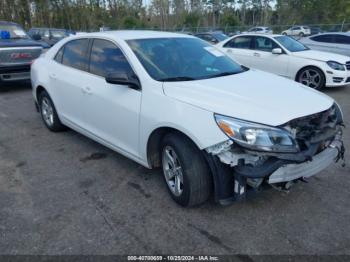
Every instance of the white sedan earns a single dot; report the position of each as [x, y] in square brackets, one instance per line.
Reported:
[176, 102]
[285, 56]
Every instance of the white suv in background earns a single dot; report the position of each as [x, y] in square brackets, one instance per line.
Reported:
[300, 31]
[285, 56]
[176, 102]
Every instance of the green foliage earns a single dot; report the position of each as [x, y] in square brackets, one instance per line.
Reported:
[89, 15]
[130, 22]
[230, 20]
[191, 20]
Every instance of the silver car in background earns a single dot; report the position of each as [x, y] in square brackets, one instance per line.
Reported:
[260, 30]
[329, 42]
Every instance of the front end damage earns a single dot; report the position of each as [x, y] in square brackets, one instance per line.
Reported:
[240, 171]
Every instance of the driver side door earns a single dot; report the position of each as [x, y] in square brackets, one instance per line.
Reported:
[265, 60]
[111, 111]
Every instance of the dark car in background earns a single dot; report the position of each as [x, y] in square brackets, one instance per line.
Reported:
[315, 30]
[17, 51]
[49, 35]
[212, 37]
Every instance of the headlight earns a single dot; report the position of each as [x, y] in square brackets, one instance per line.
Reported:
[256, 136]
[336, 65]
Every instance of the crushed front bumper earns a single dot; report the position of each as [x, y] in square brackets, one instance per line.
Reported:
[237, 175]
[291, 172]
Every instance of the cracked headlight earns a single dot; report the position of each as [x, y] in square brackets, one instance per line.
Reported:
[336, 66]
[256, 136]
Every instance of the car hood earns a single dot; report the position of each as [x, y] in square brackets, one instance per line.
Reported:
[19, 43]
[321, 56]
[253, 96]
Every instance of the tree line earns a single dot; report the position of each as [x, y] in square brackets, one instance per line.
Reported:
[87, 15]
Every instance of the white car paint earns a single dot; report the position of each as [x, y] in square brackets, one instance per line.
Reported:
[260, 30]
[124, 118]
[297, 31]
[288, 64]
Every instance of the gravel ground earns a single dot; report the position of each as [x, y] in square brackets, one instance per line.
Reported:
[61, 193]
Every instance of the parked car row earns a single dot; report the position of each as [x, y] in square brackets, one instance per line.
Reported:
[49, 35]
[176, 102]
[18, 49]
[285, 56]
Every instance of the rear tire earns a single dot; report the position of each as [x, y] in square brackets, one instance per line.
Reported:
[301, 34]
[49, 114]
[185, 170]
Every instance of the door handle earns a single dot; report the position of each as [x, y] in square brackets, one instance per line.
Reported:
[86, 90]
[229, 51]
[256, 54]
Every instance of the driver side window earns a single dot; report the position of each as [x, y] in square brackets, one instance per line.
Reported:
[107, 58]
[265, 44]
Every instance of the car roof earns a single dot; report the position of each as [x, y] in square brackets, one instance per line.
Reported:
[49, 28]
[258, 34]
[334, 33]
[137, 34]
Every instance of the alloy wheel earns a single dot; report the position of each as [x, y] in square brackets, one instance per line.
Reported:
[172, 170]
[310, 78]
[47, 111]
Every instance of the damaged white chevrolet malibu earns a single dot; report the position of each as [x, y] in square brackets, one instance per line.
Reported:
[173, 101]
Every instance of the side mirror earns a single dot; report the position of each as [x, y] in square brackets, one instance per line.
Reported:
[36, 37]
[122, 78]
[277, 51]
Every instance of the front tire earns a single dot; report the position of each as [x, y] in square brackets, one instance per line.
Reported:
[48, 113]
[185, 170]
[312, 77]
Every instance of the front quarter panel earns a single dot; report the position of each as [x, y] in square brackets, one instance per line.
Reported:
[159, 110]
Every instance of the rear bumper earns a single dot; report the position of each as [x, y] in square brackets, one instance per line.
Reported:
[15, 73]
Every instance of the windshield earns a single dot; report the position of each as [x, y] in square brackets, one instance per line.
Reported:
[220, 36]
[182, 59]
[15, 31]
[291, 44]
[59, 34]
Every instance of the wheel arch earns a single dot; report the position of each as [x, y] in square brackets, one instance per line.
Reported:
[38, 90]
[309, 66]
[155, 139]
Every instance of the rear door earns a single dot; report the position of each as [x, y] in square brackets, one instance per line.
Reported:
[240, 49]
[323, 42]
[264, 60]
[342, 44]
[69, 78]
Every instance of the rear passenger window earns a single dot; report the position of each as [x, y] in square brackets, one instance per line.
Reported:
[341, 39]
[107, 58]
[74, 54]
[240, 42]
[323, 38]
